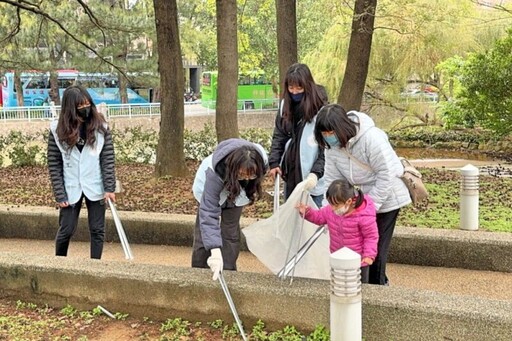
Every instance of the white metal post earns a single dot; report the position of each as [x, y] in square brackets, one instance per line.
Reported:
[469, 194]
[346, 311]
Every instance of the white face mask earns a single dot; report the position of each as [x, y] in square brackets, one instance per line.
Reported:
[341, 210]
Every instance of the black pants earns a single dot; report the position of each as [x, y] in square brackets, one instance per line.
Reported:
[68, 221]
[386, 225]
[230, 233]
[365, 274]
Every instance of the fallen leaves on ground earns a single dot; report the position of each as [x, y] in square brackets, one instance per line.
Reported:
[30, 186]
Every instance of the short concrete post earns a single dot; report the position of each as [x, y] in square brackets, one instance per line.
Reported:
[53, 110]
[469, 187]
[103, 109]
[346, 315]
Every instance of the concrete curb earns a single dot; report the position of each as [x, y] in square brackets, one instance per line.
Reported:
[162, 292]
[474, 250]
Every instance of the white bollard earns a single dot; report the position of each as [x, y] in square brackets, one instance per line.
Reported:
[53, 110]
[346, 315]
[469, 198]
[103, 109]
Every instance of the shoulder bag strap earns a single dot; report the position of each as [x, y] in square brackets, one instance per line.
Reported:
[359, 163]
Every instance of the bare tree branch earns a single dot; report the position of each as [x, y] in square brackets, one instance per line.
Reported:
[16, 28]
[498, 7]
[34, 8]
[93, 19]
[16, 64]
[381, 100]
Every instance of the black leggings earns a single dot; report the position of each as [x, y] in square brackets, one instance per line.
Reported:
[230, 233]
[386, 225]
[68, 222]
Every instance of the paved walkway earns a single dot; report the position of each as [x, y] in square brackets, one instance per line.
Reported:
[485, 284]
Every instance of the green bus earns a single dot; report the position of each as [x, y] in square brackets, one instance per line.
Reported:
[254, 91]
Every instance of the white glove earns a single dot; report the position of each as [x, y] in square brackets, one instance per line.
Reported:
[215, 262]
[310, 181]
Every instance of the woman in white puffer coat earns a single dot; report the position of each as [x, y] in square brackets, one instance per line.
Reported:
[359, 152]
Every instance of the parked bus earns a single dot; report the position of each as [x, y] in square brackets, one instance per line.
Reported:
[254, 91]
[36, 87]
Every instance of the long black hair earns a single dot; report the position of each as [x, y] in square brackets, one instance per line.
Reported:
[248, 160]
[340, 191]
[300, 75]
[68, 127]
[333, 117]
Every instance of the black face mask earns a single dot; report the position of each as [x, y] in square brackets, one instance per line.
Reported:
[84, 112]
[243, 183]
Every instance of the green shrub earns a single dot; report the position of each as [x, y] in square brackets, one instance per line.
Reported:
[198, 145]
[132, 145]
[432, 135]
[258, 135]
[3, 145]
[135, 145]
[24, 149]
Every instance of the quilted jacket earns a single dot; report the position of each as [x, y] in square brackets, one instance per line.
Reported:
[357, 230]
[377, 170]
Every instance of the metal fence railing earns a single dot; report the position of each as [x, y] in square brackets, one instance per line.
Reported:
[249, 104]
[28, 113]
[128, 110]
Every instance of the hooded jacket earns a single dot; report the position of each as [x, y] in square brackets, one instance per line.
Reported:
[358, 230]
[209, 191]
[381, 179]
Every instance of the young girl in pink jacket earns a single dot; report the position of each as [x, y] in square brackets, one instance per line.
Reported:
[351, 219]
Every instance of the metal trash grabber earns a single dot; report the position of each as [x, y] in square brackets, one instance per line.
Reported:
[120, 231]
[231, 305]
[301, 253]
[277, 191]
[303, 194]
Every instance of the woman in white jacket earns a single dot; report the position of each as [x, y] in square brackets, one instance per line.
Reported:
[359, 152]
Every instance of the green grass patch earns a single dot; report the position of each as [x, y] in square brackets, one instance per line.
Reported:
[443, 209]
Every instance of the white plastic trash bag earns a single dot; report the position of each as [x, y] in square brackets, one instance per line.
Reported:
[269, 240]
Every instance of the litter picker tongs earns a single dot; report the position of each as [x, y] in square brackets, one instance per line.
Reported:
[277, 193]
[120, 231]
[291, 263]
[232, 305]
[277, 190]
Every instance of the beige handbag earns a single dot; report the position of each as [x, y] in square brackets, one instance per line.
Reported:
[411, 178]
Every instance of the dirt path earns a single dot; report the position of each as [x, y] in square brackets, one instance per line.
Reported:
[445, 280]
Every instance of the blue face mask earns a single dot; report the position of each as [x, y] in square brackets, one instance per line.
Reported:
[332, 140]
[297, 97]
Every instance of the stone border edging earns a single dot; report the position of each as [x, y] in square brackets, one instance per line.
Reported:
[161, 292]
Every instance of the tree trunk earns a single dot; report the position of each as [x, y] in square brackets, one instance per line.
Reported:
[170, 157]
[122, 85]
[358, 58]
[54, 88]
[226, 119]
[18, 86]
[286, 36]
